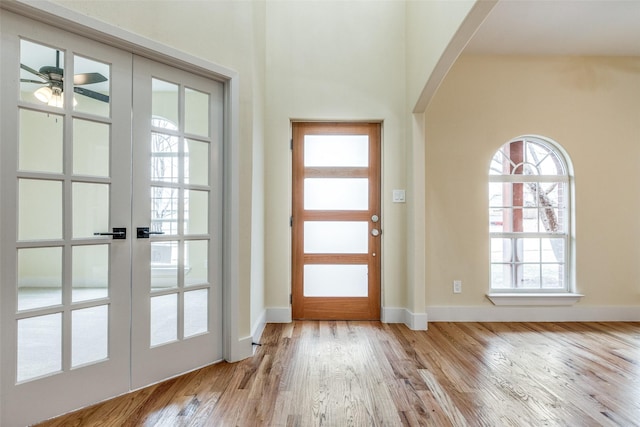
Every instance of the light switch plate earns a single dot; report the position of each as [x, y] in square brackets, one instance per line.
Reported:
[398, 196]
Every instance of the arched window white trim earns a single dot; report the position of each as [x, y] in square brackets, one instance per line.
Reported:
[531, 223]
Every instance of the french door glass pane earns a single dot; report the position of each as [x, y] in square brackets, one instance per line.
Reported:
[336, 237]
[196, 314]
[164, 210]
[91, 148]
[40, 143]
[90, 209]
[336, 194]
[164, 265]
[335, 280]
[196, 162]
[91, 84]
[90, 272]
[196, 212]
[39, 277]
[164, 319]
[39, 209]
[196, 254]
[164, 102]
[39, 346]
[336, 150]
[164, 157]
[89, 335]
[196, 112]
[34, 88]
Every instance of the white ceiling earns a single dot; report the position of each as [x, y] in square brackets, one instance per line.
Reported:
[560, 27]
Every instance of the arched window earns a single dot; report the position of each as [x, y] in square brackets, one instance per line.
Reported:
[529, 217]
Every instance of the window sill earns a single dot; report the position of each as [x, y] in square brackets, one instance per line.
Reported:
[531, 299]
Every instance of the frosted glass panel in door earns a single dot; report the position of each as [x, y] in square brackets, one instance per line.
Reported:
[336, 150]
[335, 280]
[336, 237]
[39, 209]
[336, 194]
[91, 151]
[40, 143]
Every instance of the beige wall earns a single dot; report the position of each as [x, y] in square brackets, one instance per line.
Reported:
[591, 107]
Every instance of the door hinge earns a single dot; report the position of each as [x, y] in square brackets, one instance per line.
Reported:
[291, 221]
[291, 144]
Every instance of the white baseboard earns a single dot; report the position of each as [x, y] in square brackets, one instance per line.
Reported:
[414, 321]
[533, 314]
[278, 315]
[258, 327]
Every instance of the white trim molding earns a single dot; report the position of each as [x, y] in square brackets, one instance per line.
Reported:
[279, 315]
[556, 313]
[413, 321]
[534, 299]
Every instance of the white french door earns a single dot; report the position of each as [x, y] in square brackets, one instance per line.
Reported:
[93, 303]
[177, 178]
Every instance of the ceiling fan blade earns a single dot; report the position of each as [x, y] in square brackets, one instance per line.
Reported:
[88, 78]
[37, 73]
[91, 94]
[33, 81]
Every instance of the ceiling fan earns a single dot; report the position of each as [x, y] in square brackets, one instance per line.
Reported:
[53, 78]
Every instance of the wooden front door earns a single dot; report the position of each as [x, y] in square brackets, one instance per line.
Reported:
[336, 221]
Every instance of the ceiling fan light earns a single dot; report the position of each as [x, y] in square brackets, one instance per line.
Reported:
[44, 94]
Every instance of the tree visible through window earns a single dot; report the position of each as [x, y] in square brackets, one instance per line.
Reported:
[529, 217]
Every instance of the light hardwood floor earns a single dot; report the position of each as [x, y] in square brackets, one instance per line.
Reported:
[312, 373]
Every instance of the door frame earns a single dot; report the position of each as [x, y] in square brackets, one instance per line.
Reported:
[363, 310]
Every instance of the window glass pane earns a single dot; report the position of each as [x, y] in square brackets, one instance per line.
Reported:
[39, 346]
[39, 209]
[196, 212]
[90, 272]
[530, 250]
[90, 148]
[40, 145]
[164, 265]
[164, 157]
[91, 86]
[196, 112]
[530, 220]
[164, 102]
[196, 314]
[501, 276]
[336, 150]
[336, 237]
[89, 335]
[164, 210]
[336, 194]
[335, 280]
[196, 262]
[553, 250]
[39, 277]
[90, 209]
[529, 275]
[41, 74]
[164, 319]
[501, 250]
[552, 276]
[196, 163]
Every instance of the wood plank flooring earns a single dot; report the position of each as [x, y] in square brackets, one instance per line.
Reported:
[334, 373]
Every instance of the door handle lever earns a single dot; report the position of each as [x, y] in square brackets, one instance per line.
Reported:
[119, 233]
[143, 232]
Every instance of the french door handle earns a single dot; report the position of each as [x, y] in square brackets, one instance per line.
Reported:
[143, 232]
[119, 233]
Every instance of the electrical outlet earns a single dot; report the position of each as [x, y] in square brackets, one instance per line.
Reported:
[457, 286]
